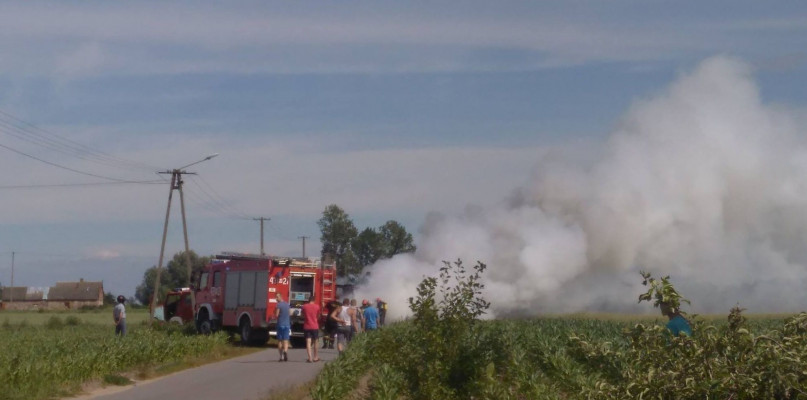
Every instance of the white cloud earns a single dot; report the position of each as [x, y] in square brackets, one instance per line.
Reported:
[86, 59]
[105, 254]
[167, 38]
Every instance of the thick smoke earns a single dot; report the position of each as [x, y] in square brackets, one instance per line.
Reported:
[702, 182]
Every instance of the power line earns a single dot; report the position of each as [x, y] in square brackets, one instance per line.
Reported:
[33, 134]
[210, 207]
[216, 200]
[78, 184]
[62, 166]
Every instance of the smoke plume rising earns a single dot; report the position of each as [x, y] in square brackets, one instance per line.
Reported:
[702, 182]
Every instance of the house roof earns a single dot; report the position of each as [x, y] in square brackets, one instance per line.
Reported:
[76, 291]
[62, 291]
[22, 293]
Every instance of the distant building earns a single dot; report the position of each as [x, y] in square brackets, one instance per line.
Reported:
[62, 296]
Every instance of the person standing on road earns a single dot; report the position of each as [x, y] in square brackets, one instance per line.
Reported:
[345, 330]
[370, 318]
[311, 311]
[357, 320]
[333, 322]
[283, 327]
[330, 325]
[119, 315]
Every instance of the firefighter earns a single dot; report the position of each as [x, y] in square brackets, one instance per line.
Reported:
[382, 311]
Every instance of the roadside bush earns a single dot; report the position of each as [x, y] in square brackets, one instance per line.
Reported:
[447, 357]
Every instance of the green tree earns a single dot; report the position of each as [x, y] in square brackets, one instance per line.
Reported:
[388, 240]
[175, 275]
[368, 247]
[395, 239]
[110, 298]
[338, 232]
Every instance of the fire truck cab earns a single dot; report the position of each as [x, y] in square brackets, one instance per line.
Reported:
[176, 308]
[236, 292]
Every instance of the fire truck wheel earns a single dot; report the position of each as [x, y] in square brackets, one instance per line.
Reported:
[246, 331]
[203, 325]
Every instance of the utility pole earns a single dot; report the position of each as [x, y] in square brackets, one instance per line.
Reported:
[304, 238]
[261, 219]
[11, 292]
[176, 184]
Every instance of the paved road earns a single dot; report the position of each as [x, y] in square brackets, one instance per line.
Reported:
[247, 377]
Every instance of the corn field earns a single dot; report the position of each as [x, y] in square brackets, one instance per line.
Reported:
[437, 355]
[56, 358]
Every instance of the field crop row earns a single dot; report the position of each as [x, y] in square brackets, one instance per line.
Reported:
[445, 352]
[55, 358]
[546, 358]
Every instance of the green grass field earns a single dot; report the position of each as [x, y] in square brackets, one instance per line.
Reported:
[102, 316]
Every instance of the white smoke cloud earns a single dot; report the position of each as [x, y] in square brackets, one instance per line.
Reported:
[702, 182]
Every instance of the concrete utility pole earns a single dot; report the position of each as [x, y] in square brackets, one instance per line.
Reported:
[304, 238]
[261, 219]
[176, 184]
[11, 292]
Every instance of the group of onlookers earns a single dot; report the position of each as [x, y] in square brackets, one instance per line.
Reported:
[342, 321]
[346, 319]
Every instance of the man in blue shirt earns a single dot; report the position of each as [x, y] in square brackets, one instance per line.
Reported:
[677, 324]
[283, 327]
[370, 317]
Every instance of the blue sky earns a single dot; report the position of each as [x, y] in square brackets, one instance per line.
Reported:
[388, 109]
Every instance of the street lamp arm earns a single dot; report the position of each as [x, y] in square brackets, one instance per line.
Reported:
[197, 162]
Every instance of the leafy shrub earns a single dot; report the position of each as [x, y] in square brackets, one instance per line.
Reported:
[716, 362]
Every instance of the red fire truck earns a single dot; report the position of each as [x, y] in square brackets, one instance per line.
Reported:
[236, 292]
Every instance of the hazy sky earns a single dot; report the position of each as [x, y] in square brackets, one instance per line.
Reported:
[391, 110]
